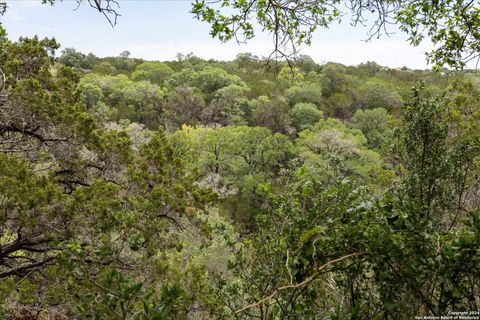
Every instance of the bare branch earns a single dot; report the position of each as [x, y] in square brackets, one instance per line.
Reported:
[298, 285]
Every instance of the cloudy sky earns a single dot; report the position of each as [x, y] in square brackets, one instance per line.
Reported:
[159, 29]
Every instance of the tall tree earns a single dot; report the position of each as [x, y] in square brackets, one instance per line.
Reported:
[83, 214]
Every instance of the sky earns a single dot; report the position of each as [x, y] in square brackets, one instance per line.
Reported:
[159, 29]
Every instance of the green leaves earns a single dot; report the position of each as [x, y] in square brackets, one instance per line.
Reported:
[128, 223]
[308, 235]
[291, 22]
[155, 72]
[449, 25]
[411, 262]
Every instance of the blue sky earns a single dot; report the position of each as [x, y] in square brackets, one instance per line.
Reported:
[158, 29]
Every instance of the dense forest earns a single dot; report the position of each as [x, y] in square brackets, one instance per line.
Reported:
[244, 189]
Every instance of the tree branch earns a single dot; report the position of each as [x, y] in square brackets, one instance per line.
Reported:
[298, 285]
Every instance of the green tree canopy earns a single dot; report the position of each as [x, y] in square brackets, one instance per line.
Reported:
[375, 124]
[155, 72]
[305, 114]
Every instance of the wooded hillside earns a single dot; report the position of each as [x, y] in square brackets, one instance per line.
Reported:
[195, 189]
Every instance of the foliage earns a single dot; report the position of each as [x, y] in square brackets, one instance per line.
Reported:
[233, 161]
[75, 59]
[155, 72]
[306, 93]
[330, 249]
[376, 94]
[139, 101]
[85, 215]
[269, 113]
[450, 25]
[330, 150]
[198, 189]
[305, 114]
[376, 125]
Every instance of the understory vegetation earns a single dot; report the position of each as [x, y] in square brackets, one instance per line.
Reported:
[195, 189]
